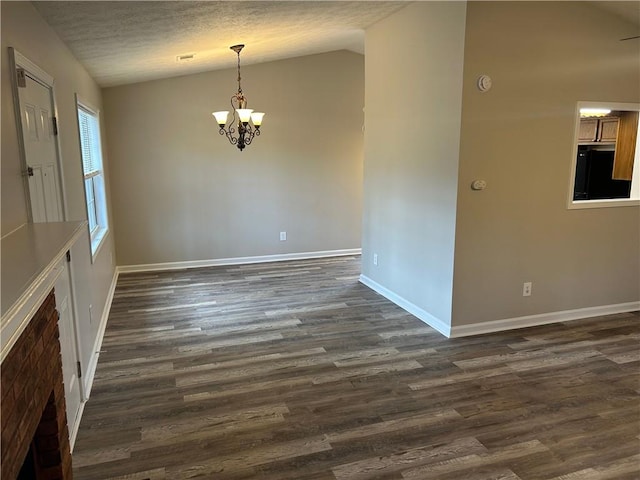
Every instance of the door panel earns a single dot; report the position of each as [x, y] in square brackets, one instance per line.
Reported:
[68, 345]
[29, 114]
[45, 126]
[49, 180]
[36, 190]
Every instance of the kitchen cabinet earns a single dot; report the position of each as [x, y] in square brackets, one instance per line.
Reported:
[588, 131]
[625, 146]
[608, 129]
[603, 130]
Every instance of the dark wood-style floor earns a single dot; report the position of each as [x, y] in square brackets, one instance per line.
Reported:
[296, 371]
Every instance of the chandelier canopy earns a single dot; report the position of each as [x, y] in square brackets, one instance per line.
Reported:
[248, 123]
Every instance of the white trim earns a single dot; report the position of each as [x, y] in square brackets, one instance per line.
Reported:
[88, 106]
[602, 203]
[150, 267]
[16, 59]
[542, 319]
[102, 214]
[611, 105]
[33, 69]
[74, 431]
[93, 361]
[90, 372]
[498, 325]
[609, 202]
[413, 309]
[97, 242]
[12, 231]
[16, 319]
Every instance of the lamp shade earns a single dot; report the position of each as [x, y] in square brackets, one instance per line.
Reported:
[221, 117]
[244, 114]
[256, 118]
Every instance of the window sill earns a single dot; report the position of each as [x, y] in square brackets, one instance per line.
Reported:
[97, 242]
[614, 202]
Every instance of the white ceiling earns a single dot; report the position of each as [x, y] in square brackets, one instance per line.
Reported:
[122, 42]
[125, 42]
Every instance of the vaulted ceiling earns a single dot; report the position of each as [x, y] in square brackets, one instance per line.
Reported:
[131, 41]
[124, 42]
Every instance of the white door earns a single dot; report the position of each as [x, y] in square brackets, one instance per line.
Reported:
[66, 326]
[36, 107]
[36, 113]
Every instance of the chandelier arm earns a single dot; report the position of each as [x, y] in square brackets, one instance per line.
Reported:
[229, 134]
[233, 109]
[250, 133]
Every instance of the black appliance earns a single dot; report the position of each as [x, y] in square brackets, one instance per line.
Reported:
[594, 169]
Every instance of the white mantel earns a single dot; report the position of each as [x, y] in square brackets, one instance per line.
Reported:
[28, 263]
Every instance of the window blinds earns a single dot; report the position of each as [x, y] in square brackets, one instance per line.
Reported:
[89, 142]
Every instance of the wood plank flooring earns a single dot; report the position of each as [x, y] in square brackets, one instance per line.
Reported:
[295, 370]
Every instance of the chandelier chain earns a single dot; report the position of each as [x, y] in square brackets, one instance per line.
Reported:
[239, 86]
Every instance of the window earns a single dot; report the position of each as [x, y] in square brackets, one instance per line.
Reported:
[91, 150]
[606, 159]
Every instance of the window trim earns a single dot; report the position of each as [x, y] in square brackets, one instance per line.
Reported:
[98, 236]
[602, 203]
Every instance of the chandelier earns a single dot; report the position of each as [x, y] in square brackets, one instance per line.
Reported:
[246, 131]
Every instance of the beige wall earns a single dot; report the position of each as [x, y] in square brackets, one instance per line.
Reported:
[413, 101]
[518, 137]
[543, 58]
[182, 193]
[24, 29]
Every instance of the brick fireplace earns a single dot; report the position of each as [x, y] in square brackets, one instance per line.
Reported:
[35, 437]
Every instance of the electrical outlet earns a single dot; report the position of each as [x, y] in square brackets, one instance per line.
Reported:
[526, 289]
[283, 236]
[375, 259]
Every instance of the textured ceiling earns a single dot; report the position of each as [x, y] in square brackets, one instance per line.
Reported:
[126, 42]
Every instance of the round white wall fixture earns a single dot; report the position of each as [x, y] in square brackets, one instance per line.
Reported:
[478, 185]
[484, 83]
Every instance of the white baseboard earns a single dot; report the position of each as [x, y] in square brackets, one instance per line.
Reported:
[418, 312]
[93, 362]
[90, 372]
[542, 319]
[150, 267]
[498, 325]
